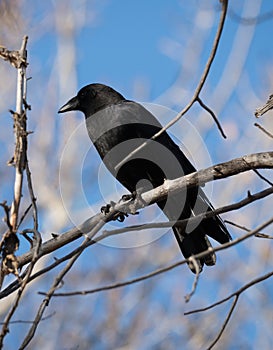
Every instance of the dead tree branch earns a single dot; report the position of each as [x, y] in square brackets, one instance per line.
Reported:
[215, 172]
[10, 242]
[15, 285]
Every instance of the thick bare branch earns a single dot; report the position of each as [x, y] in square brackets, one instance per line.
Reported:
[259, 195]
[219, 171]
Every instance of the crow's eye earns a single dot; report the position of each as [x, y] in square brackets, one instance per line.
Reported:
[90, 93]
[82, 94]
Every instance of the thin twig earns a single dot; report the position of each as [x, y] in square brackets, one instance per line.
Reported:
[237, 292]
[30, 322]
[258, 173]
[210, 111]
[5, 327]
[7, 219]
[58, 281]
[264, 130]
[259, 234]
[215, 341]
[22, 218]
[59, 278]
[32, 196]
[193, 261]
[262, 177]
[262, 110]
[121, 284]
[197, 90]
[170, 267]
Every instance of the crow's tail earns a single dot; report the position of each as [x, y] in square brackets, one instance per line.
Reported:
[192, 237]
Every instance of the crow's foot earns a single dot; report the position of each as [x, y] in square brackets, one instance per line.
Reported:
[119, 216]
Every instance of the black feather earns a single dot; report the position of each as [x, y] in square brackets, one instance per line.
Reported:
[116, 127]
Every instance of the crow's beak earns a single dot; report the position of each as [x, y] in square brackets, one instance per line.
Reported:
[71, 105]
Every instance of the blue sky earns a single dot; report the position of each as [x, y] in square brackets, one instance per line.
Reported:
[153, 45]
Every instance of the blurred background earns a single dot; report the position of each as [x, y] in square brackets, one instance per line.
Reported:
[152, 52]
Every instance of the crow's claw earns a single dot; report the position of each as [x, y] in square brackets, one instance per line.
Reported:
[119, 216]
[105, 209]
[128, 197]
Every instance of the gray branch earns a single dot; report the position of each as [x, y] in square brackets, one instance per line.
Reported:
[235, 166]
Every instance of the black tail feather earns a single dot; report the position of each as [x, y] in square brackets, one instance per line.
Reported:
[194, 243]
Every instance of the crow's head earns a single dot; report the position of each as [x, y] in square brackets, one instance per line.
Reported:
[92, 98]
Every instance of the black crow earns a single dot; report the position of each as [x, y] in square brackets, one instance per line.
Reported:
[116, 127]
